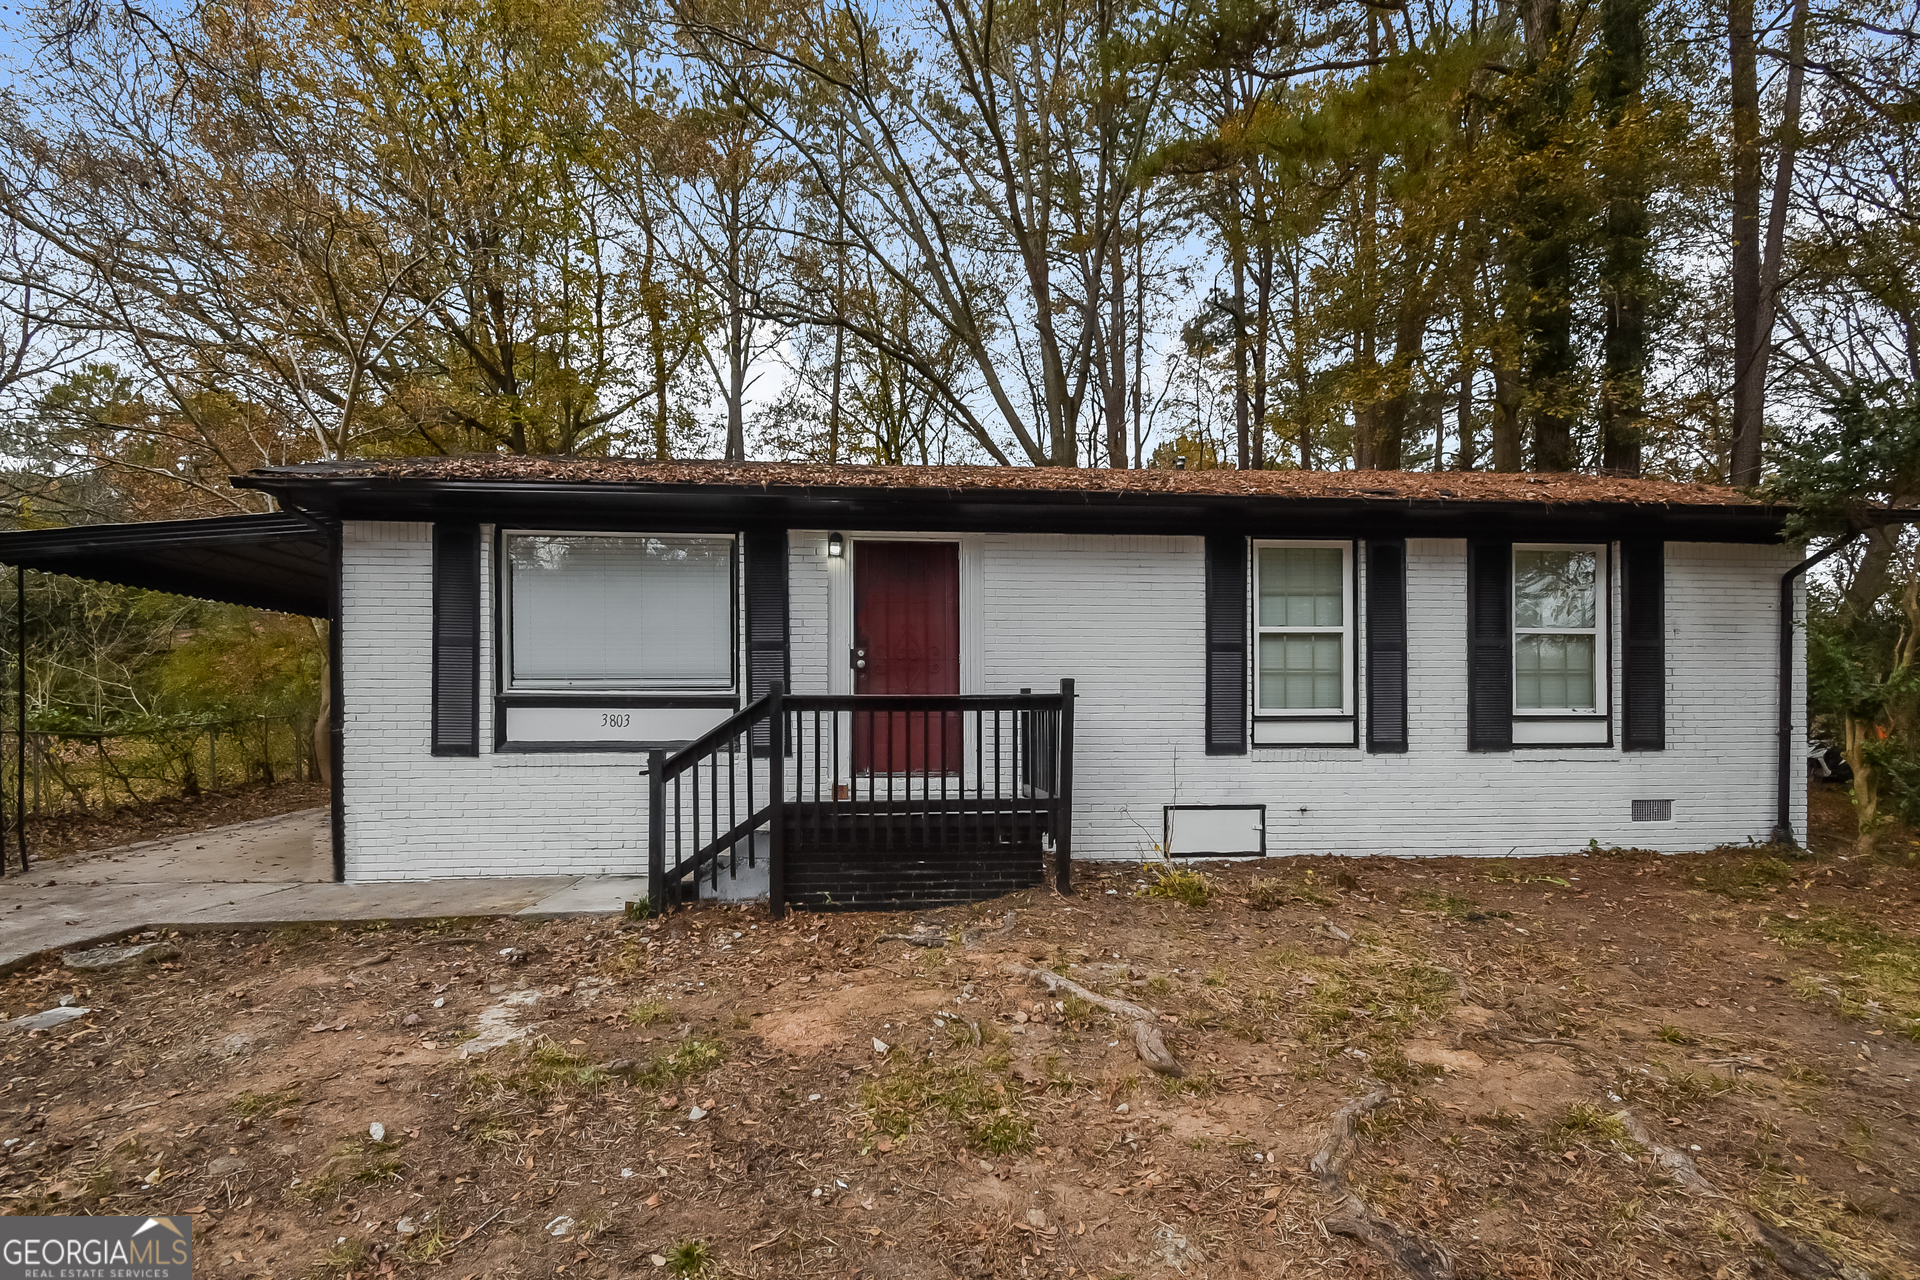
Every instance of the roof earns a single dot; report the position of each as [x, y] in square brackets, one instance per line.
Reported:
[1425, 486]
[613, 494]
[280, 561]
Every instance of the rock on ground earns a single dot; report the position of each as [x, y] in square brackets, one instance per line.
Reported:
[113, 957]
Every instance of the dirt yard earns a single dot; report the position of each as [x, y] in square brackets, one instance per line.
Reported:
[1598, 1066]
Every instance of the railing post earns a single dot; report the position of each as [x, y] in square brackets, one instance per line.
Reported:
[656, 831]
[1063, 802]
[776, 800]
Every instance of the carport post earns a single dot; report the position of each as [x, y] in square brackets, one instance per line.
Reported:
[20, 713]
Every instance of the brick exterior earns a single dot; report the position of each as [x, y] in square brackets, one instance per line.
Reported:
[1121, 616]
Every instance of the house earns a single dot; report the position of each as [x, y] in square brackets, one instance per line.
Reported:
[552, 665]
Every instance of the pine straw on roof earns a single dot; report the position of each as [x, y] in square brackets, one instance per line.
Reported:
[1408, 486]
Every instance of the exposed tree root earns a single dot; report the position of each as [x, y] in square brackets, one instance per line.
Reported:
[971, 938]
[917, 939]
[1414, 1255]
[1147, 1040]
[1797, 1258]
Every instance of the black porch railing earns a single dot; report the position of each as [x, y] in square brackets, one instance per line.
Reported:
[872, 801]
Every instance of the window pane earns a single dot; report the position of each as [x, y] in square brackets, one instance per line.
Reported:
[1301, 587]
[1553, 673]
[1301, 673]
[1555, 588]
[621, 611]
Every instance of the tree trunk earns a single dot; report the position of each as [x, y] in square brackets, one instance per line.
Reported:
[1116, 343]
[1624, 344]
[1463, 411]
[1865, 788]
[1506, 415]
[1390, 438]
[1262, 323]
[1546, 305]
[1749, 367]
[1777, 215]
[323, 722]
[1239, 265]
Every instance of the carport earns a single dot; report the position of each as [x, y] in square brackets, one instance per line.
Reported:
[287, 562]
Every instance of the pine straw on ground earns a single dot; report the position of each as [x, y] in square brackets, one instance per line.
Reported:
[1515, 1009]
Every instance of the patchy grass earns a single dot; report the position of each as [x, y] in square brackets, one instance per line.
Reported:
[1504, 871]
[344, 1258]
[1451, 905]
[549, 1069]
[1364, 1001]
[646, 1013]
[424, 1247]
[690, 1258]
[376, 1171]
[1270, 893]
[1584, 1122]
[1848, 1228]
[689, 1058]
[1179, 884]
[324, 1188]
[1749, 878]
[964, 1095]
[1878, 979]
[493, 1131]
[254, 1104]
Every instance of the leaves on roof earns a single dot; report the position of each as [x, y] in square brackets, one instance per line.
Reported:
[1406, 486]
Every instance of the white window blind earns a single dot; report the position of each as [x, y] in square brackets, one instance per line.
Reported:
[1556, 629]
[627, 611]
[1302, 620]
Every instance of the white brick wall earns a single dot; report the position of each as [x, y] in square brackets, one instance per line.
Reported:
[1121, 615]
[410, 814]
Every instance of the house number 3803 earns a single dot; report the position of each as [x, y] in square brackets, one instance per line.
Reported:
[615, 720]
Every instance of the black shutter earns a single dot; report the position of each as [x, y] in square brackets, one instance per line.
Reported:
[1489, 646]
[456, 640]
[1643, 713]
[1226, 608]
[1387, 645]
[766, 578]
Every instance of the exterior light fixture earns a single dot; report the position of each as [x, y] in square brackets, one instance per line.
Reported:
[836, 545]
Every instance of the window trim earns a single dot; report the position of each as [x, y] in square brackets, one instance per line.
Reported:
[1601, 632]
[597, 691]
[1348, 632]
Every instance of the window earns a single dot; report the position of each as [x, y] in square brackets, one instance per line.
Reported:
[1557, 626]
[1303, 625]
[619, 611]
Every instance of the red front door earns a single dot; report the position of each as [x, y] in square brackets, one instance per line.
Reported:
[906, 640]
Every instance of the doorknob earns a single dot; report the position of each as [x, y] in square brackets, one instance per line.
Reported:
[858, 659]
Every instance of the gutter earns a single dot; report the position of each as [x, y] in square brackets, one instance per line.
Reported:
[1783, 807]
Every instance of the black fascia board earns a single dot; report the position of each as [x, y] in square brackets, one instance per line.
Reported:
[274, 561]
[700, 508]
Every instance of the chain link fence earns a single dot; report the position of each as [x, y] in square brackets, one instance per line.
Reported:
[85, 772]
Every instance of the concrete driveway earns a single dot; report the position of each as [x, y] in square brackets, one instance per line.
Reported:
[267, 872]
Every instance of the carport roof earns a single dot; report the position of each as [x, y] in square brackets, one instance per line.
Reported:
[281, 562]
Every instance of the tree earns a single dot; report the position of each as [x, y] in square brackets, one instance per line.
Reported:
[1853, 472]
